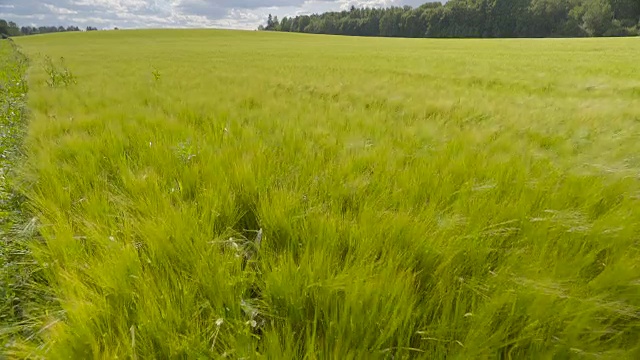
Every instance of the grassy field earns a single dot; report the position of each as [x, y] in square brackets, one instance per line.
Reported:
[207, 194]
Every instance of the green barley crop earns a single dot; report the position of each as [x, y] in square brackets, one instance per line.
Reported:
[291, 196]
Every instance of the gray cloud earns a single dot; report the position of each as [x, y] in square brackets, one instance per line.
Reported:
[241, 14]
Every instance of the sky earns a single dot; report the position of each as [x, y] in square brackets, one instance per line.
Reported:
[232, 14]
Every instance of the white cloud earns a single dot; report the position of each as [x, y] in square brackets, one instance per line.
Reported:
[240, 14]
[59, 10]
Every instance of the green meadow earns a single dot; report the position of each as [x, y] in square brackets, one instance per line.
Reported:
[225, 194]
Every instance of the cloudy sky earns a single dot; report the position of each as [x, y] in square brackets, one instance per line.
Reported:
[238, 14]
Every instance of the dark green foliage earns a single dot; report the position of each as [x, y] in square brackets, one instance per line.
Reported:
[626, 10]
[32, 30]
[476, 18]
[272, 24]
[598, 17]
[9, 28]
[12, 29]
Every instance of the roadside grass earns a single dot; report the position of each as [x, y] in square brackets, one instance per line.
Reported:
[414, 198]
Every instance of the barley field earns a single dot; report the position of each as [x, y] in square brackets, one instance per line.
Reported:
[225, 194]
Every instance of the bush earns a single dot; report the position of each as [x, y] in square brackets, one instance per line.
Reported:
[618, 29]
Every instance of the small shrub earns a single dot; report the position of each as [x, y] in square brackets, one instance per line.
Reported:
[156, 74]
[58, 76]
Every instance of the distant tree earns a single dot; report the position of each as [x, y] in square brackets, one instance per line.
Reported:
[47, 29]
[4, 27]
[305, 21]
[548, 17]
[626, 10]
[390, 23]
[285, 24]
[12, 29]
[270, 23]
[597, 17]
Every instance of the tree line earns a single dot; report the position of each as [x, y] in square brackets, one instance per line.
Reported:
[10, 28]
[476, 19]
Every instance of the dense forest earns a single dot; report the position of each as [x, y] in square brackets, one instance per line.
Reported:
[10, 28]
[476, 18]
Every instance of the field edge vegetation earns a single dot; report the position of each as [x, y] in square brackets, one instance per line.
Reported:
[23, 294]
